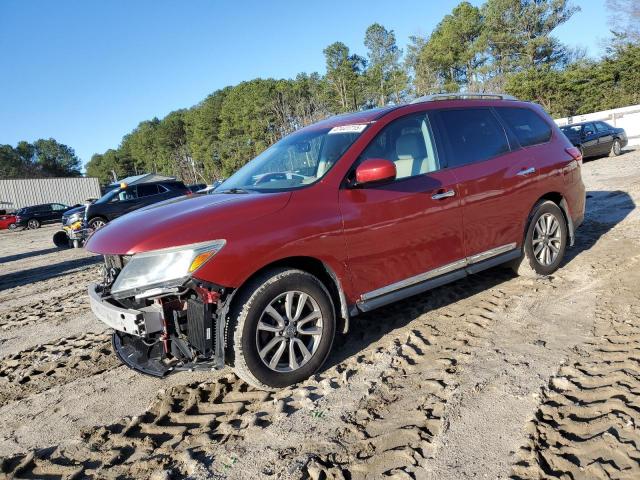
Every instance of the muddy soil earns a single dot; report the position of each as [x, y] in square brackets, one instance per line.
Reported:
[493, 376]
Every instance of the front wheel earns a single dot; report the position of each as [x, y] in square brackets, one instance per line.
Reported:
[97, 222]
[281, 328]
[545, 241]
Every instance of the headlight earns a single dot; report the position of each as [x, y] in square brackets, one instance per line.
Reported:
[76, 217]
[166, 267]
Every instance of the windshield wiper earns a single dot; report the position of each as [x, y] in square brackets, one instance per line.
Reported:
[234, 190]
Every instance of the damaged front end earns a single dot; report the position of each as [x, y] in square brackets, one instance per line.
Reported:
[164, 319]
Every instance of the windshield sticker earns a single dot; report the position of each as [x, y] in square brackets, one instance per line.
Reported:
[348, 129]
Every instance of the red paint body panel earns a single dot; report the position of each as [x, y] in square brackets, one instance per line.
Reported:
[6, 221]
[368, 237]
[395, 231]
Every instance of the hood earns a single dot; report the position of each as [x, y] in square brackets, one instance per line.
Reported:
[182, 221]
[73, 210]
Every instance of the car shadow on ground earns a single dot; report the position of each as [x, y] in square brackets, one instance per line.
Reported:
[38, 274]
[35, 253]
[604, 210]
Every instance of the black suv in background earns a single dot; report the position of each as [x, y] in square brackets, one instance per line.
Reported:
[33, 217]
[596, 138]
[119, 201]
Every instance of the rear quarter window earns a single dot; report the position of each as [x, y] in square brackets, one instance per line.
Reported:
[528, 127]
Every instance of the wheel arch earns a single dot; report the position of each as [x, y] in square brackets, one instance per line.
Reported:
[322, 272]
[558, 199]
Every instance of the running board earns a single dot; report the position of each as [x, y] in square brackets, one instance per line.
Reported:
[479, 264]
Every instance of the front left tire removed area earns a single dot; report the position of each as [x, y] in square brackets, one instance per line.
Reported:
[281, 328]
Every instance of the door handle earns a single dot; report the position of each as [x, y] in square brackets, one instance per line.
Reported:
[441, 195]
[526, 171]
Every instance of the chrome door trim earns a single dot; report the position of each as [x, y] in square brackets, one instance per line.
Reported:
[436, 272]
[491, 253]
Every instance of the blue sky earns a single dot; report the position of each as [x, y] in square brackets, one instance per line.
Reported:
[86, 72]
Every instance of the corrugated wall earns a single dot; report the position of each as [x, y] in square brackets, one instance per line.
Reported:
[33, 191]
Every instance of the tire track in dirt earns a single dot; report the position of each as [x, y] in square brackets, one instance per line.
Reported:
[391, 432]
[40, 368]
[55, 308]
[21, 301]
[187, 428]
[588, 424]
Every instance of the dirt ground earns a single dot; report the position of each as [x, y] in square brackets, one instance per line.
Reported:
[490, 377]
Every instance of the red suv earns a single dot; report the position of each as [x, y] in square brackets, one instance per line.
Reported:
[336, 219]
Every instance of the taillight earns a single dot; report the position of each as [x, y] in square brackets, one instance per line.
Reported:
[574, 152]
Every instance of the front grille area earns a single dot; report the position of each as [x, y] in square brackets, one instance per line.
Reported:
[200, 327]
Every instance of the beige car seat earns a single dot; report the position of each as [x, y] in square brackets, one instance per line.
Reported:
[411, 156]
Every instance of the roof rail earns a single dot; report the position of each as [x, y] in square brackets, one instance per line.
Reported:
[462, 96]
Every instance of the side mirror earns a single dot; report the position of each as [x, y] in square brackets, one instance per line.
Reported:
[375, 170]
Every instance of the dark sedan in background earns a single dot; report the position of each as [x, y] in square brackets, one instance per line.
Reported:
[36, 215]
[596, 138]
[123, 200]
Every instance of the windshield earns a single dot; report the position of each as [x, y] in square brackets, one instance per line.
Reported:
[575, 129]
[297, 160]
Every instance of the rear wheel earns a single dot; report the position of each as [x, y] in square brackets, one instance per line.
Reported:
[616, 148]
[12, 226]
[281, 329]
[545, 241]
[33, 223]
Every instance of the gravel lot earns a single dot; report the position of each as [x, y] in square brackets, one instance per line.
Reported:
[491, 377]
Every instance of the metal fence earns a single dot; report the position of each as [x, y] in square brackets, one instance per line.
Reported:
[16, 194]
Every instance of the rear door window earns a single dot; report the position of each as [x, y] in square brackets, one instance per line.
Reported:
[474, 135]
[588, 129]
[528, 127]
[147, 190]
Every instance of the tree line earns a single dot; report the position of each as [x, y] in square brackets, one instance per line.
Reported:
[42, 158]
[503, 45]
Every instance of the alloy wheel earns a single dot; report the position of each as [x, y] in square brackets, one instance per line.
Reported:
[33, 224]
[547, 239]
[616, 148]
[289, 331]
[98, 224]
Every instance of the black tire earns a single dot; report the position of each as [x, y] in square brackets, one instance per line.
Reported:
[97, 222]
[616, 148]
[248, 310]
[530, 264]
[33, 224]
[61, 239]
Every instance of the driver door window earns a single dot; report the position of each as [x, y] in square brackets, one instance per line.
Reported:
[408, 142]
[124, 195]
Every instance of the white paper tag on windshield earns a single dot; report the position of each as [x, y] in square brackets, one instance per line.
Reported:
[348, 129]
